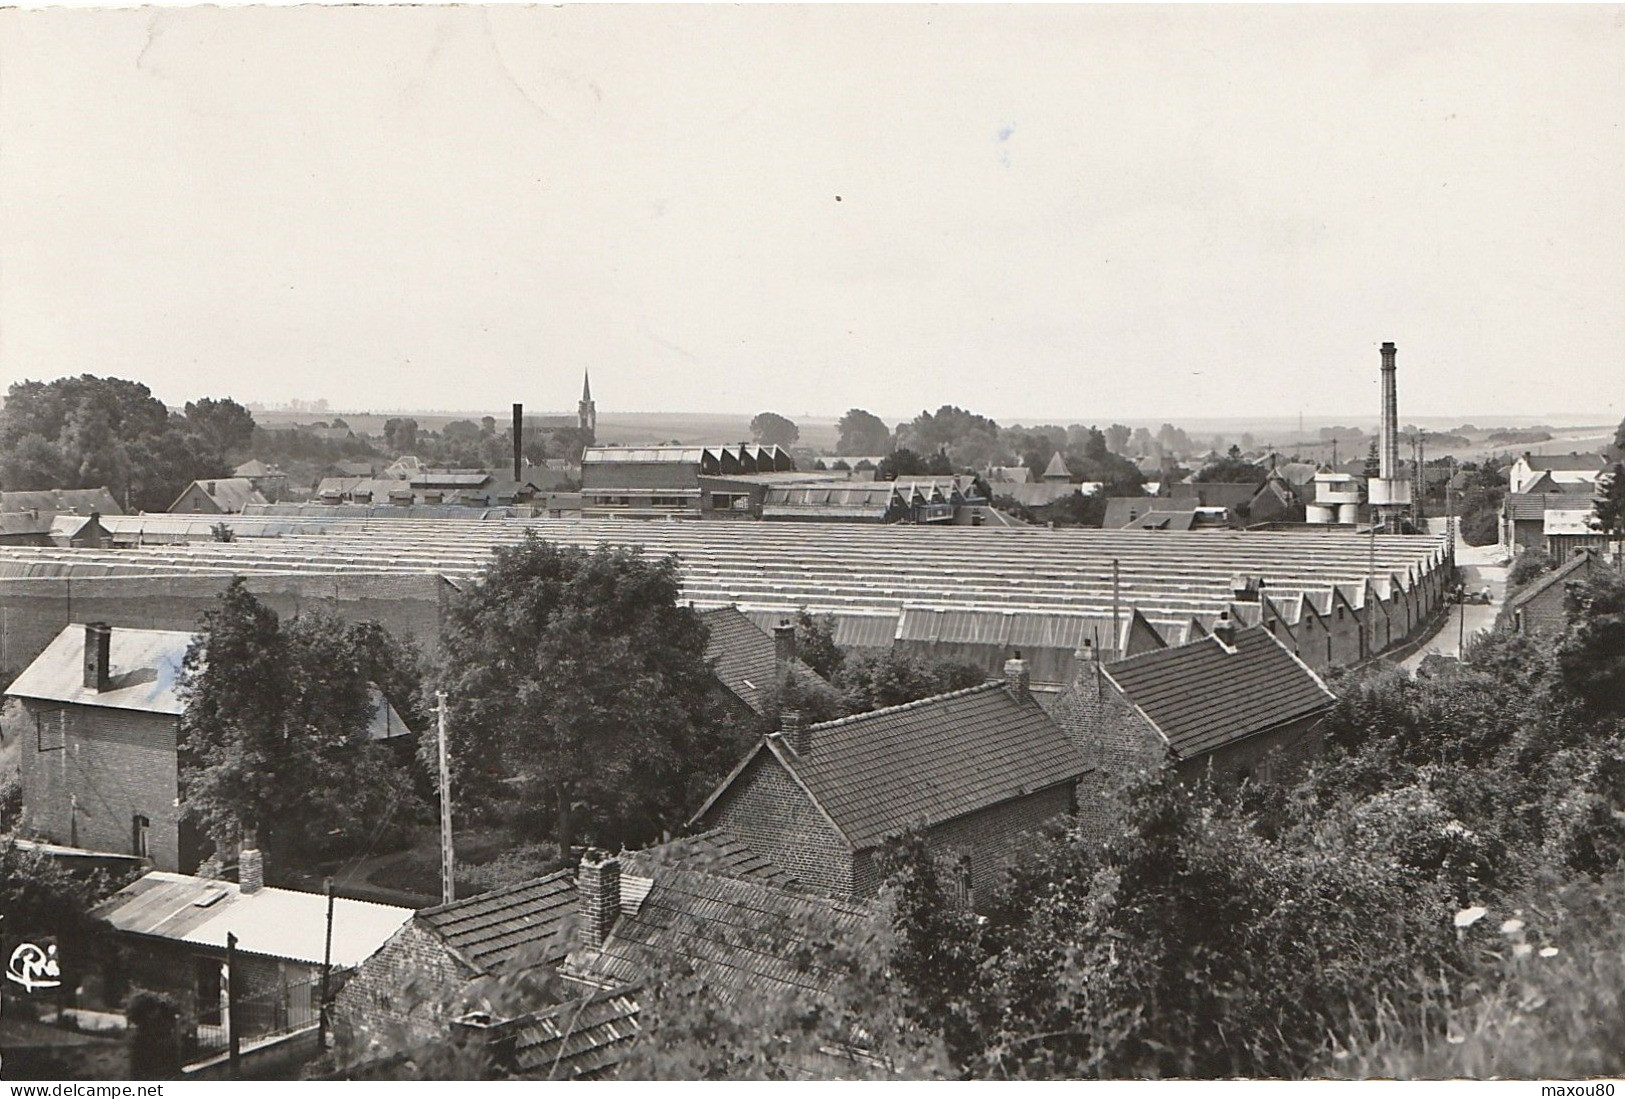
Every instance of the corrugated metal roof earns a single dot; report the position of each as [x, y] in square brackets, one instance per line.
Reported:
[687, 455]
[145, 664]
[274, 923]
[1569, 521]
[79, 501]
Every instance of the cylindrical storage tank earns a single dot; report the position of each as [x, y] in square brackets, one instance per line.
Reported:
[1321, 513]
[1348, 513]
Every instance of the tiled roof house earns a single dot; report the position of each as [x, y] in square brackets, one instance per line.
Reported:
[431, 969]
[586, 940]
[976, 771]
[749, 661]
[1539, 604]
[1236, 703]
[220, 496]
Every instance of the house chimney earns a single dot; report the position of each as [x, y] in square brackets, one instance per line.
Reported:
[1244, 589]
[98, 656]
[1016, 679]
[1224, 630]
[598, 890]
[784, 649]
[796, 732]
[518, 441]
[1085, 662]
[250, 865]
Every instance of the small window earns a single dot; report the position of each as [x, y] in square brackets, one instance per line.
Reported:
[139, 841]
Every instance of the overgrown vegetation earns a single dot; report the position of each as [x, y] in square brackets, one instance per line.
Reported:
[1440, 896]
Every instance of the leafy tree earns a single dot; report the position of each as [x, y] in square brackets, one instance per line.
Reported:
[874, 680]
[815, 643]
[86, 432]
[1528, 565]
[32, 462]
[695, 1027]
[1591, 658]
[1619, 440]
[968, 439]
[1609, 504]
[905, 463]
[220, 532]
[1373, 464]
[1232, 469]
[401, 434]
[862, 433]
[581, 677]
[274, 731]
[771, 429]
[227, 426]
[1117, 437]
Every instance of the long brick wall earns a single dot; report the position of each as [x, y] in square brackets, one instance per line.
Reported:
[34, 610]
[773, 816]
[404, 995]
[88, 770]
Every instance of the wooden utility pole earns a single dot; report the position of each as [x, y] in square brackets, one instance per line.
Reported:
[1117, 625]
[233, 1031]
[327, 968]
[448, 888]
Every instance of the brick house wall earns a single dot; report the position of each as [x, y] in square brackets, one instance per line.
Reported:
[87, 771]
[1271, 756]
[1347, 633]
[992, 838]
[1113, 736]
[402, 996]
[772, 815]
[194, 501]
[1313, 641]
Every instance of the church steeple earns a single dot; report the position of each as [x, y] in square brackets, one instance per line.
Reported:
[586, 411]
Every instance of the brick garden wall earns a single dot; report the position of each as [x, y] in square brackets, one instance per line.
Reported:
[774, 817]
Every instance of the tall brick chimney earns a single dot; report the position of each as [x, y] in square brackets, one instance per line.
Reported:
[598, 893]
[796, 732]
[250, 865]
[98, 656]
[518, 441]
[1017, 680]
[784, 649]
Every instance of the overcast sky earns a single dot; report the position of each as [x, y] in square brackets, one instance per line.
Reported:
[1038, 213]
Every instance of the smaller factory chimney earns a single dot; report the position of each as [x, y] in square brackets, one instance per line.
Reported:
[518, 441]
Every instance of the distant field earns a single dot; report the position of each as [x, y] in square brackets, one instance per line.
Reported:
[629, 428]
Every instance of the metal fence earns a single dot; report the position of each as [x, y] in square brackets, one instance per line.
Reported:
[284, 1010]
